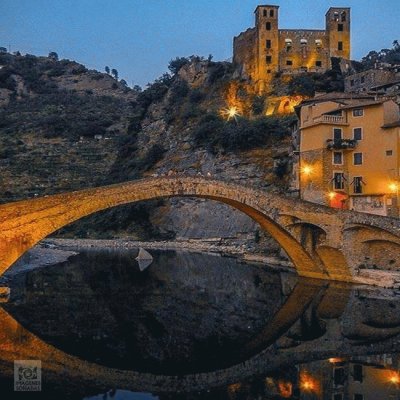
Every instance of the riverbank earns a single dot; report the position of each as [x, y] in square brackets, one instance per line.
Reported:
[201, 245]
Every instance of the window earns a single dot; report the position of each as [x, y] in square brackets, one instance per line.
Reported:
[352, 82]
[337, 158]
[343, 16]
[358, 396]
[268, 59]
[318, 42]
[358, 112]
[303, 42]
[268, 71]
[357, 158]
[265, 13]
[357, 133]
[340, 46]
[268, 44]
[268, 26]
[389, 152]
[289, 62]
[362, 80]
[318, 63]
[338, 375]
[338, 396]
[271, 13]
[358, 372]
[338, 184]
[340, 27]
[337, 133]
[357, 184]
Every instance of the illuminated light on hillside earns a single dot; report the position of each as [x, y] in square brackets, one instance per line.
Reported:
[231, 112]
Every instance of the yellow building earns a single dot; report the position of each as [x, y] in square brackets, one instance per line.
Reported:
[348, 153]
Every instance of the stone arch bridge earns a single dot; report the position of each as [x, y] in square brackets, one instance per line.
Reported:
[321, 242]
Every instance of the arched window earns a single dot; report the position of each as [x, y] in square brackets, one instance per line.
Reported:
[303, 42]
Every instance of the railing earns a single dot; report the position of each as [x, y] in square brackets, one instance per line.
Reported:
[330, 119]
[341, 144]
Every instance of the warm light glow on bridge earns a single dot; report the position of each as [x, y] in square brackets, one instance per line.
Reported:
[394, 187]
[393, 377]
[231, 112]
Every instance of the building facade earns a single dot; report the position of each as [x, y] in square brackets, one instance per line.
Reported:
[265, 49]
[348, 153]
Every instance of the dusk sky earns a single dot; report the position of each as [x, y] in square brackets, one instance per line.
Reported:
[139, 37]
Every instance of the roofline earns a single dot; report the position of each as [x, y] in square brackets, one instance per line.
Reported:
[337, 8]
[265, 5]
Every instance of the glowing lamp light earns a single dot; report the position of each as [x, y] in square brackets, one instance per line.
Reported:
[231, 112]
[306, 170]
[307, 385]
[331, 195]
[393, 187]
[394, 378]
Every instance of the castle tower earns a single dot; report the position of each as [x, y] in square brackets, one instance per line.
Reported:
[267, 44]
[338, 32]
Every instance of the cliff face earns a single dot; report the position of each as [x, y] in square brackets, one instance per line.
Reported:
[65, 128]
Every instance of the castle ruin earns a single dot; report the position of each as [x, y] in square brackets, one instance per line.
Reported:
[262, 51]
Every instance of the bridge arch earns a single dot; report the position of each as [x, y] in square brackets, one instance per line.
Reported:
[23, 224]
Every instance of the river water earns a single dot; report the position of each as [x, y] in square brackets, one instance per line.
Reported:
[195, 326]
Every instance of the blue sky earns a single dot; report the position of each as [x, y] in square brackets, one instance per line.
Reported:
[139, 37]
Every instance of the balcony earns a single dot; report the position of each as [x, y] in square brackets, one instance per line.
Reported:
[341, 144]
[330, 119]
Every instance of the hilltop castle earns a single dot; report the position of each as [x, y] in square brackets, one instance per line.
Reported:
[265, 49]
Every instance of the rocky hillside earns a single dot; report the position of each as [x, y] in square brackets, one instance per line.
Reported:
[63, 127]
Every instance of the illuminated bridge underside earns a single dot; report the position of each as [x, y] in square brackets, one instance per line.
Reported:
[320, 241]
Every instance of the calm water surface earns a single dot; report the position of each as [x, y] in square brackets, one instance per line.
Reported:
[197, 326]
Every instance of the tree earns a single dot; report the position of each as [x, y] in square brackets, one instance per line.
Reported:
[53, 56]
[114, 73]
[3, 50]
[107, 69]
[175, 65]
[123, 82]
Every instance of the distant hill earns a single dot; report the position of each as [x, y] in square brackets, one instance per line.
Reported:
[63, 127]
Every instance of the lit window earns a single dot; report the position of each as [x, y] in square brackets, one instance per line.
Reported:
[268, 26]
[303, 41]
[340, 27]
[357, 133]
[337, 133]
[268, 59]
[357, 184]
[389, 152]
[338, 180]
[337, 158]
[358, 112]
[357, 158]
[268, 44]
[318, 42]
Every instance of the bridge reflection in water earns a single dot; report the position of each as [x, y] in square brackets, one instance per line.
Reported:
[194, 323]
